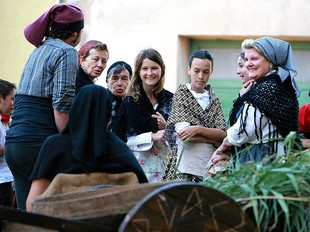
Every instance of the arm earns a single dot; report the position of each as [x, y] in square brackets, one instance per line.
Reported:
[61, 120]
[38, 186]
[253, 119]
[66, 70]
[1, 150]
[222, 152]
[144, 141]
[161, 122]
[206, 134]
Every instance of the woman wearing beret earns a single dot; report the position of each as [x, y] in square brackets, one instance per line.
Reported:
[93, 57]
[45, 91]
[269, 111]
[141, 119]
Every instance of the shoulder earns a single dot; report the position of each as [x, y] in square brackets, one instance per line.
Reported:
[128, 100]
[182, 88]
[268, 84]
[167, 93]
[58, 46]
[211, 92]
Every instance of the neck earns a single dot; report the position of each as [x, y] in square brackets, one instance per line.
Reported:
[150, 95]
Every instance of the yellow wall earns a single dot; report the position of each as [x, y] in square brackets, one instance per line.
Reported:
[15, 16]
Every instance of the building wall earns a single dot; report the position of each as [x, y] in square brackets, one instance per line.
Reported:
[15, 49]
[168, 26]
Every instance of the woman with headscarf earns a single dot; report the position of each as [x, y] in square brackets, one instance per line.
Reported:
[45, 91]
[269, 110]
[84, 147]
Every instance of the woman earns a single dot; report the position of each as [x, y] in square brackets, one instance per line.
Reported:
[141, 118]
[196, 120]
[270, 108]
[118, 79]
[83, 147]
[93, 57]
[45, 91]
[247, 83]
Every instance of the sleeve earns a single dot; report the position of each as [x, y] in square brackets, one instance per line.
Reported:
[66, 71]
[141, 142]
[250, 119]
[181, 125]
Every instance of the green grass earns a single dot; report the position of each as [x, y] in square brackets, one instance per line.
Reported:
[227, 90]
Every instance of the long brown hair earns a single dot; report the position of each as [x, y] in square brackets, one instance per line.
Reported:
[136, 82]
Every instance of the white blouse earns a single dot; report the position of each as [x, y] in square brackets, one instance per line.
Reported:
[254, 117]
[202, 98]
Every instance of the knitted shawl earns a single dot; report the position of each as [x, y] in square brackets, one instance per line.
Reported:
[275, 99]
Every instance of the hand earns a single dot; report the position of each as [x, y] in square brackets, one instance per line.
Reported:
[222, 153]
[161, 122]
[246, 87]
[159, 136]
[188, 132]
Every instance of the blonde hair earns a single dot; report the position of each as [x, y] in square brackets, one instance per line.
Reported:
[250, 43]
[134, 88]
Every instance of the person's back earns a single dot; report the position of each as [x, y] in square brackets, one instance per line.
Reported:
[84, 147]
[45, 92]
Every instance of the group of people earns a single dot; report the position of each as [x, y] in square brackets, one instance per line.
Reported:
[64, 123]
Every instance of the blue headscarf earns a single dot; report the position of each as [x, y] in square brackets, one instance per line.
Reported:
[280, 54]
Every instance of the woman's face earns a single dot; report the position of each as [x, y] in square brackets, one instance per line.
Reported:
[242, 71]
[94, 64]
[200, 72]
[118, 83]
[150, 73]
[257, 65]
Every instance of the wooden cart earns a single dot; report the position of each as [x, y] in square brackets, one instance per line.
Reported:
[169, 206]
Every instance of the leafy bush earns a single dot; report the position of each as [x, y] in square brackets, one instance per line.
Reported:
[276, 194]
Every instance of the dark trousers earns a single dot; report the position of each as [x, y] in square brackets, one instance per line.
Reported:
[21, 159]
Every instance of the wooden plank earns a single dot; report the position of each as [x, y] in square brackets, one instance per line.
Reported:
[94, 203]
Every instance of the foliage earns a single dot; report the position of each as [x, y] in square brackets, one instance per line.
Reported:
[276, 194]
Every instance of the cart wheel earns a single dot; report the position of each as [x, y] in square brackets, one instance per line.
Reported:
[183, 206]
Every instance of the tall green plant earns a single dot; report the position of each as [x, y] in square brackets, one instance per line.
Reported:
[276, 194]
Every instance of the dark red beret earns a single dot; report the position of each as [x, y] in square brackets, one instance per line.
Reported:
[66, 16]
